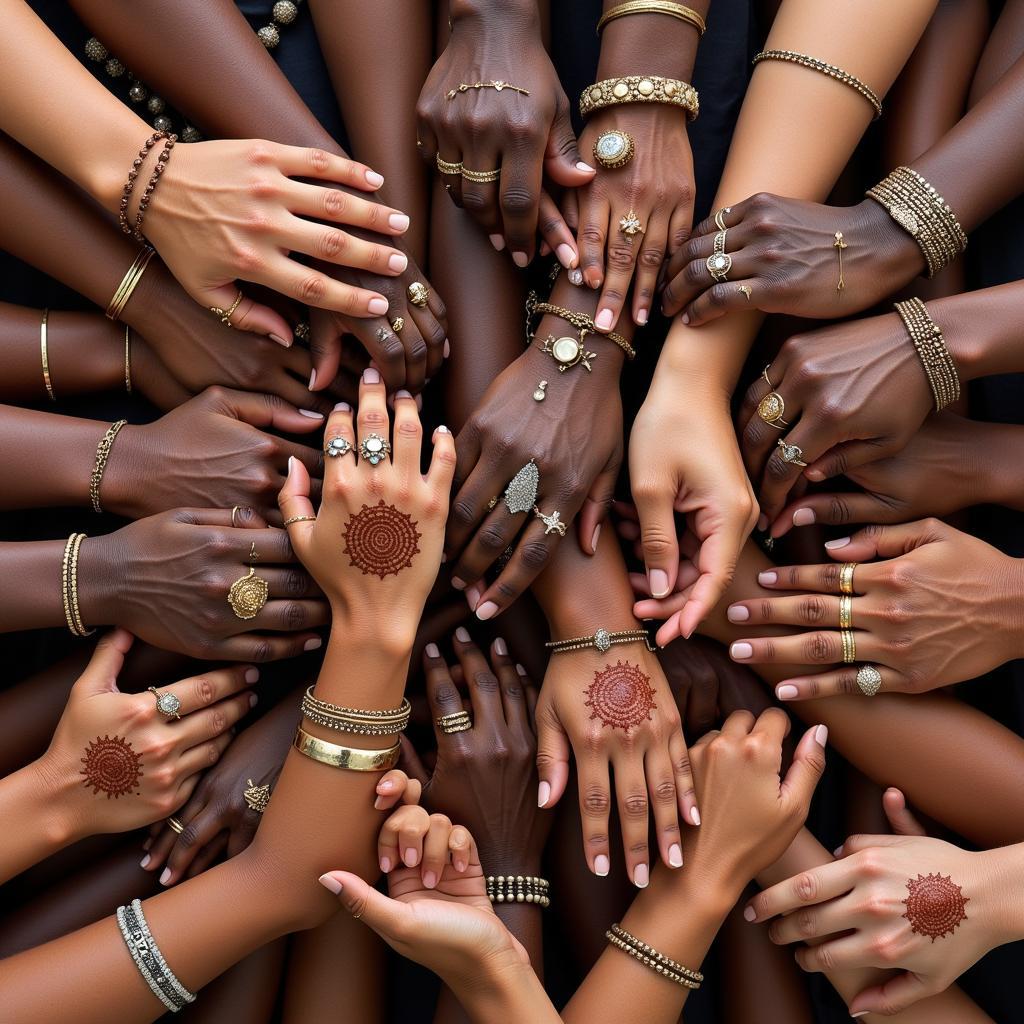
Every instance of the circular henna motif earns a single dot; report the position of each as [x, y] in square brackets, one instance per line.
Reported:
[935, 905]
[111, 767]
[621, 696]
[381, 540]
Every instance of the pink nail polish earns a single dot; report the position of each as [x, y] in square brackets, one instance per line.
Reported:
[398, 222]
[378, 306]
[604, 319]
[841, 542]
[431, 651]
[497, 241]
[658, 581]
[675, 856]
[330, 883]
[371, 376]
[741, 651]
[311, 414]
[749, 914]
[767, 579]
[500, 648]
[165, 876]
[397, 262]
[787, 692]
[486, 611]
[543, 794]
[601, 865]
[446, 351]
[803, 517]
[565, 255]
[593, 539]
[462, 635]
[375, 179]
[520, 259]
[385, 864]
[429, 879]
[695, 816]
[312, 379]
[314, 643]
[283, 342]
[738, 613]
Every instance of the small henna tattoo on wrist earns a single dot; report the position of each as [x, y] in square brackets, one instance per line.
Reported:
[621, 696]
[935, 905]
[381, 540]
[111, 767]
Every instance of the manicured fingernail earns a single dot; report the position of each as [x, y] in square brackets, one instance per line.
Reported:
[762, 522]
[658, 581]
[675, 856]
[371, 376]
[411, 857]
[442, 429]
[863, 1013]
[313, 644]
[749, 914]
[145, 861]
[685, 318]
[253, 700]
[397, 262]
[641, 317]
[786, 692]
[486, 611]
[581, 166]
[837, 852]
[593, 539]
[343, 407]
[641, 876]
[429, 879]
[766, 579]
[473, 595]
[520, 259]
[462, 635]
[402, 393]
[312, 414]
[398, 221]
[814, 474]
[738, 613]
[385, 784]
[330, 883]
[695, 816]
[576, 276]
[521, 669]
[458, 584]
[252, 675]
[284, 342]
[147, 844]
[604, 319]
[840, 543]
[312, 379]
[821, 735]
[497, 241]
[432, 651]
[375, 179]
[446, 350]
[500, 648]
[601, 865]
[803, 517]
[741, 651]
[385, 864]
[543, 794]
[291, 463]
[165, 876]
[566, 255]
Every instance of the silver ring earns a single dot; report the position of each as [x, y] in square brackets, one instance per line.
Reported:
[869, 680]
[166, 703]
[521, 493]
[337, 446]
[791, 453]
[374, 449]
[383, 334]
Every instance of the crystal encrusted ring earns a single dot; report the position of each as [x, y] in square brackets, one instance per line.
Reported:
[614, 149]
[374, 449]
[791, 453]
[337, 446]
[166, 703]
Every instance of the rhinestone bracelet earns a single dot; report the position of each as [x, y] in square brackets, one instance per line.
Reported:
[149, 960]
[601, 641]
[361, 723]
[519, 889]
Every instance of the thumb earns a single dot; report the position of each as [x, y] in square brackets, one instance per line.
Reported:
[892, 997]
[658, 537]
[595, 507]
[409, 761]
[806, 769]
[562, 161]
[901, 819]
[865, 841]
[100, 675]
[269, 411]
[248, 314]
[885, 541]
[383, 914]
[552, 758]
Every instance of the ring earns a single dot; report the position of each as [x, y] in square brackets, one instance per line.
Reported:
[719, 263]
[446, 167]
[225, 314]
[720, 217]
[491, 504]
[302, 331]
[771, 408]
[383, 334]
[397, 324]
[374, 449]
[869, 679]
[235, 509]
[521, 493]
[256, 797]
[552, 523]
[630, 224]
[846, 577]
[614, 149]
[299, 519]
[248, 595]
[792, 453]
[457, 721]
[174, 825]
[166, 703]
[848, 638]
[418, 293]
[744, 290]
[337, 446]
[846, 612]
[481, 177]
[764, 376]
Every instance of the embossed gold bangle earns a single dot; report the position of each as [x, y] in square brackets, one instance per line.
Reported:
[640, 89]
[846, 577]
[673, 10]
[45, 357]
[102, 455]
[129, 282]
[352, 759]
[792, 57]
[848, 638]
[581, 322]
[128, 359]
[846, 612]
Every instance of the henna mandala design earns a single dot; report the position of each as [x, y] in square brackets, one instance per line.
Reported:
[621, 696]
[111, 766]
[935, 905]
[381, 540]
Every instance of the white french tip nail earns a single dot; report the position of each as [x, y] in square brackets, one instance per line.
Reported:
[695, 816]
[145, 861]
[312, 379]
[165, 876]
[311, 414]
[329, 883]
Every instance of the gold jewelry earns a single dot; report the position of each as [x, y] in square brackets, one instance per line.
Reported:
[256, 797]
[446, 167]
[492, 504]
[457, 721]
[418, 293]
[552, 523]
[831, 70]
[352, 759]
[771, 408]
[43, 354]
[128, 359]
[497, 85]
[848, 637]
[720, 218]
[846, 612]
[869, 680]
[764, 377]
[630, 224]
[518, 889]
[225, 314]
[614, 149]
[601, 640]
[299, 519]
[248, 594]
[719, 263]
[840, 245]
[912, 202]
[363, 723]
[481, 177]
[174, 825]
[846, 577]
[640, 89]
[650, 957]
[744, 290]
[69, 586]
[129, 282]
[102, 455]
[397, 324]
[583, 323]
[931, 349]
[166, 703]
[791, 453]
[235, 509]
[673, 10]
[540, 392]
[301, 331]
[566, 352]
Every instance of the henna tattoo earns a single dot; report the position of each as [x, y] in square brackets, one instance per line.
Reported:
[935, 905]
[381, 540]
[111, 765]
[621, 696]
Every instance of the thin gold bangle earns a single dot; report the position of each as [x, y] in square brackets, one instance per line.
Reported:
[673, 10]
[129, 282]
[45, 357]
[127, 359]
[69, 586]
[352, 759]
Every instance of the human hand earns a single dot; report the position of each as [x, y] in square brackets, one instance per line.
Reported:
[116, 763]
[374, 545]
[942, 607]
[784, 251]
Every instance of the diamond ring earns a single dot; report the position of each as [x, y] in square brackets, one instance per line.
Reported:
[791, 453]
[166, 703]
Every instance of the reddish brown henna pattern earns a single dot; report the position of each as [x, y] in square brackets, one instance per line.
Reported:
[621, 696]
[935, 905]
[111, 766]
[381, 540]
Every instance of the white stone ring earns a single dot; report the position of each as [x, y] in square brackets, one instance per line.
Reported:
[337, 446]
[166, 703]
[374, 449]
[614, 149]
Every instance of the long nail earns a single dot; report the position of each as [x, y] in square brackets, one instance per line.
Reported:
[695, 816]
[283, 342]
[543, 794]
[566, 255]
[330, 883]
[593, 539]
[821, 735]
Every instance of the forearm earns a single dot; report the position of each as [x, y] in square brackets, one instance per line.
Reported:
[982, 329]
[31, 598]
[511, 994]
[26, 799]
[649, 44]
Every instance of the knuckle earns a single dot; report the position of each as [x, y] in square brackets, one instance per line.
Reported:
[331, 244]
[491, 538]
[805, 887]
[665, 791]
[294, 615]
[486, 681]
[818, 648]
[695, 273]
[261, 187]
[259, 154]
[534, 555]
[635, 806]
[812, 609]
[620, 257]
[202, 691]
[828, 577]
[517, 201]
[318, 160]
[595, 802]
[335, 203]
[806, 923]
[311, 290]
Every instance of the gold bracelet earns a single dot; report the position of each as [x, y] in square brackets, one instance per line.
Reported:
[601, 641]
[497, 85]
[651, 958]
[673, 10]
[640, 89]
[792, 57]
[127, 359]
[630, 938]
[362, 723]
[102, 454]
[69, 586]
[931, 349]
[129, 282]
[351, 759]
[583, 323]
[45, 357]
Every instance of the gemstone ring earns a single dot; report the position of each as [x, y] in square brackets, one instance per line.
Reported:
[374, 449]
[166, 703]
[791, 453]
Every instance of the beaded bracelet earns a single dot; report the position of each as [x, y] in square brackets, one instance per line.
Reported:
[931, 349]
[519, 889]
[792, 57]
[650, 957]
[362, 723]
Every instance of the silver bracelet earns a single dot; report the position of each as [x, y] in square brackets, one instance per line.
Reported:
[149, 960]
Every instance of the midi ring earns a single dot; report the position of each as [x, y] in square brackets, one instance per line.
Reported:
[764, 377]
[869, 680]
[374, 449]
[248, 595]
[614, 149]
[299, 519]
[337, 446]
[846, 612]
[552, 523]
[630, 224]
[174, 825]
[720, 217]
[383, 334]
[457, 721]
[846, 577]
[225, 314]
[492, 503]
[397, 324]
[849, 641]
[792, 453]
[166, 703]
[521, 493]
[771, 408]
[719, 263]
[418, 293]
[447, 167]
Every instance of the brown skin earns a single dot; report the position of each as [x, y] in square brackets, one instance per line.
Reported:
[248, 990]
[1005, 44]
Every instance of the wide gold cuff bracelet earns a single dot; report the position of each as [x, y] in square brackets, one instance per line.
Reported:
[352, 759]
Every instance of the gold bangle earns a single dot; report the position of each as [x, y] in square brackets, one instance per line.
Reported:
[127, 359]
[640, 89]
[351, 759]
[69, 586]
[845, 612]
[792, 57]
[45, 357]
[673, 10]
[846, 577]
[102, 454]
[581, 322]
[848, 638]
[129, 282]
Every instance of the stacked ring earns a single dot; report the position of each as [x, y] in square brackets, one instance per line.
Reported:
[849, 646]
[720, 217]
[719, 263]
[846, 612]
[299, 519]
[481, 177]
[447, 167]
[175, 826]
[846, 577]
[457, 721]
[869, 680]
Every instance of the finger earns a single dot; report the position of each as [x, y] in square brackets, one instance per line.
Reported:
[532, 553]
[562, 161]
[462, 848]
[303, 162]
[325, 352]
[249, 315]
[664, 803]
[424, 347]
[805, 889]
[591, 238]
[901, 818]
[293, 582]
[819, 579]
[312, 288]
[654, 506]
[886, 541]
[208, 855]
[837, 509]
[293, 501]
[858, 843]
[806, 769]
[338, 207]
[634, 817]
[212, 687]
[290, 615]
[341, 467]
[552, 759]
[194, 836]
[891, 997]
[620, 264]
[262, 647]
[739, 294]
[844, 458]
[804, 442]
[442, 694]
[813, 922]
[595, 805]
[556, 233]
[442, 462]
[650, 255]
[100, 675]
[682, 772]
[408, 437]
[521, 172]
[475, 497]
[738, 724]
[396, 785]
[372, 417]
[204, 755]
[480, 198]
[773, 724]
[804, 610]
[839, 683]
[679, 227]
[332, 245]
[717, 564]
[513, 691]
[202, 726]
[387, 917]
[435, 850]
[413, 767]
[817, 648]
[837, 955]
[595, 506]
[414, 824]
[482, 683]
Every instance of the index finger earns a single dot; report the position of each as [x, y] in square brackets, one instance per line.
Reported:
[210, 687]
[809, 887]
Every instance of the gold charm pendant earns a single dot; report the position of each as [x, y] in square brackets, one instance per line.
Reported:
[567, 352]
[840, 245]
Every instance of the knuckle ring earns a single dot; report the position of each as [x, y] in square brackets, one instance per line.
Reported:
[174, 825]
[418, 293]
[846, 577]
[225, 314]
[337, 446]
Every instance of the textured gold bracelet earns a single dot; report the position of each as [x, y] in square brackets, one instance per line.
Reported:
[102, 454]
[650, 957]
[353, 720]
[640, 89]
[632, 940]
[127, 359]
[792, 57]
[931, 349]
[601, 640]
[69, 586]
[45, 356]
[129, 282]
[352, 759]
[581, 322]
[673, 10]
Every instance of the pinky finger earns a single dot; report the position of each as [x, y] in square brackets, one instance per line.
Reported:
[839, 683]
[396, 786]
[683, 774]
[555, 232]
[719, 299]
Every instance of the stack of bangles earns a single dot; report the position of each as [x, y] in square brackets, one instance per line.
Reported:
[650, 957]
[519, 889]
[148, 959]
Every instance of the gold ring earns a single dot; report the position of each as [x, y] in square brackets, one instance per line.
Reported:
[225, 314]
[771, 408]
[869, 680]
[744, 290]
[719, 263]
[846, 612]
[847, 636]
[175, 825]
[846, 577]
[256, 797]
[234, 512]
[447, 167]
[492, 503]
[764, 377]
[481, 177]
[299, 519]
[418, 293]
[397, 324]
[457, 721]
[720, 217]
[614, 149]
[248, 595]
[630, 224]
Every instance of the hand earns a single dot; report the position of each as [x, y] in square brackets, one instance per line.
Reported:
[524, 135]
[374, 546]
[853, 393]
[656, 186]
[784, 251]
[943, 607]
[211, 452]
[117, 763]
[166, 578]
[617, 711]
[577, 455]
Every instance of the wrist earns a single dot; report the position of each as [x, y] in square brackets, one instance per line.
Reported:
[118, 488]
[895, 256]
[648, 44]
[491, 12]
[497, 988]
[104, 178]
[98, 568]
[53, 785]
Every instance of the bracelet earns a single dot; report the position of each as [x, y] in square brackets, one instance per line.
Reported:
[931, 348]
[351, 759]
[640, 89]
[149, 960]
[147, 196]
[69, 586]
[45, 358]
[102, 454]
[129, 283]
[583, 323]
[519, 889]
[673, 10]
[133, 173]
[912, 202]
[650, 957]
[601, 641]
[792, 57]
[127, 359]
[362, 723]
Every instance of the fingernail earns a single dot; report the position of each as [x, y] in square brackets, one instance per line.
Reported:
[786, 692]
[641, 317]
[442, 429]
[145, 861]
[385, 864]
[520, 259]
[576, 276]
[371, 376]
[147, 844]
[165, 876]
[749, 914]
[543, 792]
[458, 584]
[397, 262]
[766, 579]
[385, 784]
[675, 856]
[343, 407]
[500, 648]
[402, 393]
[762, 522]
[604, 319]
[566, 255]
[429, 879]
[837, 852]
[378, 306]
[601, 865]
[312, 414]
[738, 613]
[658, 580]
[312, 379]
[741, 651]
[803, 517]
[291, 464]
[446, 350]
[486, 611]
[840, 543]
[521, 669]
[815, 474]
[695, 816]
[253, 700]
[685, 318]
[593, 539]
[431, 651]
[312, 644]
[285, 342]
[863, 1013]
[497, 241]
[462, 635]
[252, 675]
[641, 876]
[581, 166]
[410, 857]
[375, 179]
[398, 221]
[473, 595]
[330, 883]
[821, 735]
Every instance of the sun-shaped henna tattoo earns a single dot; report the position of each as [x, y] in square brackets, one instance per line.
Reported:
[621, 696]
[111, 766]
[381, 540]
[935, 905]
